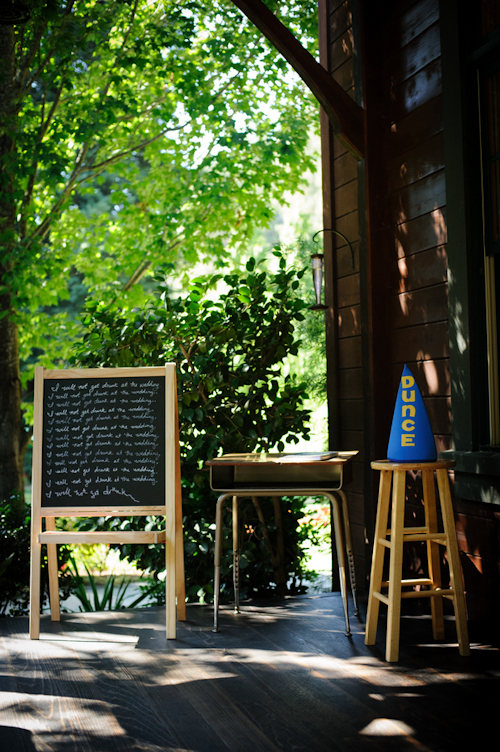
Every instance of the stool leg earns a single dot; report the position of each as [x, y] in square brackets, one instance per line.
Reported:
[236, 557]
[349, 550]
[454, 562]
[433, 557]
[395, 566]
[384, 498]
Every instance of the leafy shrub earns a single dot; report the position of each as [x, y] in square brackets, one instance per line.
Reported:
[112, 597]
[232, 396]
[15, 525]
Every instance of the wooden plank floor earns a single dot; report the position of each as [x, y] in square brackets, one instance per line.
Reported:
[280, 676]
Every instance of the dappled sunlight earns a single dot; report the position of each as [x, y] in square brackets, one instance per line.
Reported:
[403, 303]
[460, 336]
[402, 266]
[387, 727]
[401, 217]
[66, 712]
[440, 227]
[431, 377]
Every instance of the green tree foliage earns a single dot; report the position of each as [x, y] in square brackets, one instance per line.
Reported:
[131, 133]
[229, 347]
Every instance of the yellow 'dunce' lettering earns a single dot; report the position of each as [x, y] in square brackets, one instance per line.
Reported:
[407, 439]
[408, 410]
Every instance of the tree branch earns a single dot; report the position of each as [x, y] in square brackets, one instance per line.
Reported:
[43, 228]
[29, 57]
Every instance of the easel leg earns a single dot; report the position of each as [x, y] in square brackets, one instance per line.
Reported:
[35, 565]
[170, 578]
[55, 611]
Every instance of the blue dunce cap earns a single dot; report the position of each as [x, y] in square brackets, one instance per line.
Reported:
[411, 438]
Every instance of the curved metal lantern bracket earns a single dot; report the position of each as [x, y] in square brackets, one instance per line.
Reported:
[317, 269]
[336, 232]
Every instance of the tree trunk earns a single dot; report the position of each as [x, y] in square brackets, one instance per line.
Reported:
[13, 438]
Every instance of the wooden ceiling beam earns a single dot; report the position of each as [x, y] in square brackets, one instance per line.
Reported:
[344, 114]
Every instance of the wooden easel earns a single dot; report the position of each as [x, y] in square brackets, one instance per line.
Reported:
[170, 505]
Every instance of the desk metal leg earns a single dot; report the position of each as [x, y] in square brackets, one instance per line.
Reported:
[217, 557]
[236, 557]
[339, 545]
[340, 522]
[349, 549]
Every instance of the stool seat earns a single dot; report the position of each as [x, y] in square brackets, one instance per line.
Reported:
[393, 475]
[390, 465]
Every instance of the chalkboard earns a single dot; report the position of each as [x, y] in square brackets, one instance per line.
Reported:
[103, 441]
[106, 442]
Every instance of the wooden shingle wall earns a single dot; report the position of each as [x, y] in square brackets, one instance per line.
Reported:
[416, 238]
[392, 306]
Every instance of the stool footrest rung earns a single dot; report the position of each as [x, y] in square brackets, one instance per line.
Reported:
[413, 529]
[418, 534]
[435, 537]
[427, 593]
[434, 592]
[412, 583]
[384, 542]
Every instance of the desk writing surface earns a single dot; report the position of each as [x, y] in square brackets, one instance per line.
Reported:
[277, 470]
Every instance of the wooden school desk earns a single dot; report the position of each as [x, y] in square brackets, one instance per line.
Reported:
[250, 475]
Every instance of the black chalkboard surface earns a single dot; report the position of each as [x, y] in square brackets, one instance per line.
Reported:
[103, 441]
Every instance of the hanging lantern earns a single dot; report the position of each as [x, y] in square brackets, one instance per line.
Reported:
[317, 270]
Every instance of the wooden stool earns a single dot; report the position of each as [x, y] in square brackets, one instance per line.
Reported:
[394, 538]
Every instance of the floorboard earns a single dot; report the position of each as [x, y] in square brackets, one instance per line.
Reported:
[280, 676]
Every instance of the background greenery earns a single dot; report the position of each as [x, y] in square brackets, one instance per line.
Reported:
[229, 336]
[144, 145]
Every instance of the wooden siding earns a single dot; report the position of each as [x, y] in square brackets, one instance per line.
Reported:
[417, 200]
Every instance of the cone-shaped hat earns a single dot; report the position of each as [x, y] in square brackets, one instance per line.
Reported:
[411, 438]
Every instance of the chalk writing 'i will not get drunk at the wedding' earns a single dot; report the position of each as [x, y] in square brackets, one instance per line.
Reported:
[104, 441]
